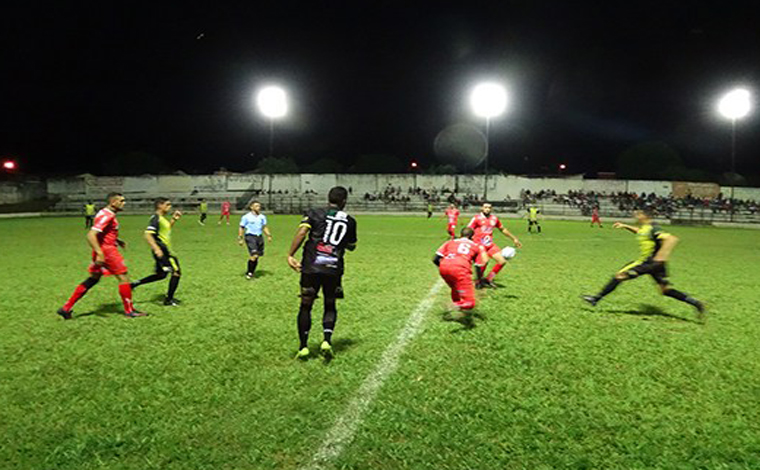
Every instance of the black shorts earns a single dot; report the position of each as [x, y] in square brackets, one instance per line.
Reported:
[168, 264]
[656, 269]
[331, 286]
[255, 244]
[533, 222]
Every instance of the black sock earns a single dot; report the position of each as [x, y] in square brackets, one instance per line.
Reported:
[479, 270]
[678, 295]
[329, 319]
[608, 288]
[539, 229]
[251, 266]
[304, 324]
[149, 279]
[173, 284]
[255, 265]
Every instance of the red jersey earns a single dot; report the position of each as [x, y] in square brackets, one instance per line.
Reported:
[225, 206]
[483, 227]
[107, 226]
[595, 213]
[461, 252]
[453, 215]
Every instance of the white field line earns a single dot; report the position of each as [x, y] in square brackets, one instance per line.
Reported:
[343, 431]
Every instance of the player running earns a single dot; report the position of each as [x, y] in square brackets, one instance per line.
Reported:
[656, 248]
[103, 238]
[158, 234]
[452, 213]
[533, 213]
[253, 227]
[595, 217]
[203, 210]
[89, 214]
[483, 224]
[454, 260]
[225, 212]
[328, 233]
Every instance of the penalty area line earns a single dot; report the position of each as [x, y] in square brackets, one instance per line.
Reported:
[343, 431]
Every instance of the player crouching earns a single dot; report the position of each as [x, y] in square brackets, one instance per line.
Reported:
[455, 259]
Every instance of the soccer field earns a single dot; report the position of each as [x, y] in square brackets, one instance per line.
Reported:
[540, 380]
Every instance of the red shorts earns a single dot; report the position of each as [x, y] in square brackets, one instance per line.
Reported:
[491, 250]
[113, 264]
[459, 279]
[595, 218]
[451, 228]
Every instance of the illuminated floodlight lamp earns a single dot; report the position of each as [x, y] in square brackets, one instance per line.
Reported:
[735, 104]
[488, 100]
[9, 165]
[272, 102]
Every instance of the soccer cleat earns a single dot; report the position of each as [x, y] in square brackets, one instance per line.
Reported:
[172, 302]
[303, 354]
[591, 299]
[489, 283]
[326, 350]
[65, 314]
[701, 312]
[249, 276]
[135, 314]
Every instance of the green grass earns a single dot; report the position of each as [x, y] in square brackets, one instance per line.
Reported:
[541, 381]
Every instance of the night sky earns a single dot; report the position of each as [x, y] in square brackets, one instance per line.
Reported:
[82, 85]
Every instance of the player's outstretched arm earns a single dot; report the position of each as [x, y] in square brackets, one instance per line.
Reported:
[514, 239]
[668, 244]
[295, 245]
[630, 228]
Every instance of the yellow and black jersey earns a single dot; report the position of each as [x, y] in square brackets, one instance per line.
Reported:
[650, 239]
[161, 229]
[331, 232]
[533, 214]
[89, 210]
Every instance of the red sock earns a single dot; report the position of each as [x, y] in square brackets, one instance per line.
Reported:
[497, 267]
[125, 291]
[78, 294]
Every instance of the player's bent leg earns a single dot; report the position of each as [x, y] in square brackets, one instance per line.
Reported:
[683, 297]
[78, 293]
[500, 262]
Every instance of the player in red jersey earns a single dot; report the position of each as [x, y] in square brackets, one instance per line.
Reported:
[452, 213]
[103, 238]
[484, 224]
[595, 217]
[454, 260]
[225, 212]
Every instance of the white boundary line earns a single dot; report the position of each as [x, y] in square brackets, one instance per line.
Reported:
[343, 431]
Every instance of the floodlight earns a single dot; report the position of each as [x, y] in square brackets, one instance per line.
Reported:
[488, 100]
[272, 102]
[9, 165]
[735, 104]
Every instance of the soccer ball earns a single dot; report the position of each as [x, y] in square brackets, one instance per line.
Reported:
[508, 252]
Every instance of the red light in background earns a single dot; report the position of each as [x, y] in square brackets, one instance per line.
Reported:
[9, 165]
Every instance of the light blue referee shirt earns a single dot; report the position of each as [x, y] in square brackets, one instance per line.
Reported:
[254, 224]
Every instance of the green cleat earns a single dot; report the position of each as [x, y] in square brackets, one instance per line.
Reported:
[326, 350]
[303, 354]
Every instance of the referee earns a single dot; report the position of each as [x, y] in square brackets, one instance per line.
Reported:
[253, 226]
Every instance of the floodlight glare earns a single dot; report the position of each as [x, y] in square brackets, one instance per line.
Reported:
[272, 102]
[9, 165]
[488, 100]
[735, 104]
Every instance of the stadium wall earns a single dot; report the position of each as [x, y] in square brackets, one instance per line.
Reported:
[499, 186]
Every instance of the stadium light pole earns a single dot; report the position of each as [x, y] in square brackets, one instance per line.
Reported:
[488, 100]
[734, 105]
[273, 104]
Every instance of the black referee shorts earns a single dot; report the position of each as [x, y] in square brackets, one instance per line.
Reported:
[656, 269]
[331, 285]
[255, 244]
[168, 264]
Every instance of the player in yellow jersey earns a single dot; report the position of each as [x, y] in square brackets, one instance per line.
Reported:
[532, 215]
[89, 214]
[656, 248]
